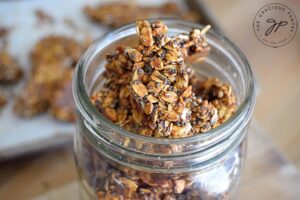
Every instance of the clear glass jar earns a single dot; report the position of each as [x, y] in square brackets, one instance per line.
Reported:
[116, 164]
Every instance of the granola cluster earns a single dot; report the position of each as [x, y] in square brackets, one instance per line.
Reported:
[112, 14]
[53, 59]
[10, 71]
[151, 91]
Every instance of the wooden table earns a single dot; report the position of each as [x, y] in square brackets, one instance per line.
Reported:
[272, 168]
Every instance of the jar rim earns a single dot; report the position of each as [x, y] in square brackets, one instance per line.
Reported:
[93, 116]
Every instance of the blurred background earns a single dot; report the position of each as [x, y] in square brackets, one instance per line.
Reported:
[40, 44]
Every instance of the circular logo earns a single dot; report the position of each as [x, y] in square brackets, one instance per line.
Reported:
[275, 25]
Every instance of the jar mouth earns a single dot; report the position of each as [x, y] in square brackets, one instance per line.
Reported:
[93, 116]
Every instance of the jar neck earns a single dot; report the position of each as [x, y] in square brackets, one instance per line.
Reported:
[164, 158]
[156, 154]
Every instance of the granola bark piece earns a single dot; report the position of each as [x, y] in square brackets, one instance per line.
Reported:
[53, 59]
[221, 96]
[112, 14]
[3, 99]
[63, 105]
[56, 49]
[194, 46]
[9, 68]
[166, 80]
[39, 91]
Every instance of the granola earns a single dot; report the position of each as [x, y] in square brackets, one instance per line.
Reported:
[110, 180]
[9, 68]
[55, 49]
[62, 105]
[113, 14]
[53, 60]
[150, 90]
[3, 99]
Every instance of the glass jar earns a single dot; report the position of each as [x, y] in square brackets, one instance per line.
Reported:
[116, 164]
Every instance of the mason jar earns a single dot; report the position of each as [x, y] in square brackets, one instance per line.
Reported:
[116, 164]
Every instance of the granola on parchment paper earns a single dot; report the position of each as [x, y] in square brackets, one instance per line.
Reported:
[10, 71]
[3, 99]
[113, 14]
[53, 59]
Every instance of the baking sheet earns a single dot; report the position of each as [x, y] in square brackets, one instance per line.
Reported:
[17, 135]
[20, 136]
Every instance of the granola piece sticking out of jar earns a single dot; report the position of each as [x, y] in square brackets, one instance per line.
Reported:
[220, 95]
[149, 90]
[204, 116]
[164, 78]
[194, 46]
[114, 99]
[10, 72]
